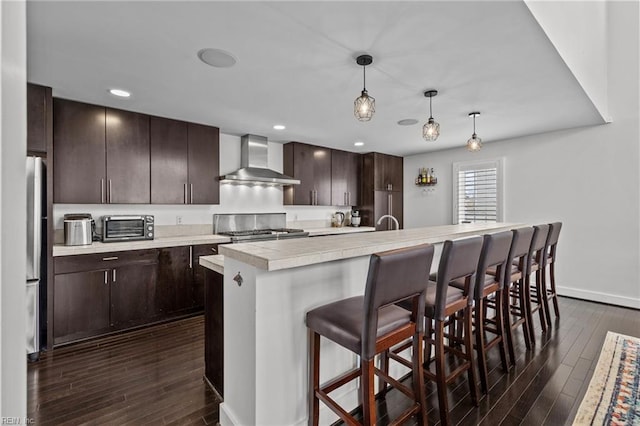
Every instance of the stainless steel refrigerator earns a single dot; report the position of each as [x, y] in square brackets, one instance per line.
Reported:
[36, 255]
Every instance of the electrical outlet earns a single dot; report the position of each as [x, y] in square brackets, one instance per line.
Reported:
[178, 220]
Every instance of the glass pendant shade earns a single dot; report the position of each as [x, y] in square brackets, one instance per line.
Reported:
[474, 143]
[364, 106]
[431, 130]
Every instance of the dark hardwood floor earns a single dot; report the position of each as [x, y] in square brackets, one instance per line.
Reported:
[154, 376]
[149, 376]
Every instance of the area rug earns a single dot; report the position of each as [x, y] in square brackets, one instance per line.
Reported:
[613, 397]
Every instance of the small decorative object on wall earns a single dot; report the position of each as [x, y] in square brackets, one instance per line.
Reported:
[364, 106]
[426, 177]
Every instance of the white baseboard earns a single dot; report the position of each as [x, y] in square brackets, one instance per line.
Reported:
[598, 296]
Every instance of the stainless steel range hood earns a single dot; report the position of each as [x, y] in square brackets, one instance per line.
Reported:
[254, 163]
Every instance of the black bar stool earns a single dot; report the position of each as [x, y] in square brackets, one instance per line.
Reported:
[535, 293]
[370, 324]
[550, 261]
[515, 304]
[459, 261]
[489, 293]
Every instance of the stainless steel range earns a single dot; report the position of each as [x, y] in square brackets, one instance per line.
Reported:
[246, 227]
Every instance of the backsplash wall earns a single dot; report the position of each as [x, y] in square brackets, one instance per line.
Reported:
[234, 198]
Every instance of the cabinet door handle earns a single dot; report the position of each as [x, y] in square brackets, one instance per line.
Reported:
[113, 272]
[101, 191]
[390, 202]
[191, 193]
[214, 250]
[315, 197]
[106, 277]
[110, 192]
[110, 258]
[190, 257]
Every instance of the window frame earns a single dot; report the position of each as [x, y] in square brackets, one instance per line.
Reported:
[498, 164]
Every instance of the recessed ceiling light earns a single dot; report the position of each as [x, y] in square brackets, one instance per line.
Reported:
[279, 127]
[217, 58]
[359, 143]
[119, 92]
[407, 122]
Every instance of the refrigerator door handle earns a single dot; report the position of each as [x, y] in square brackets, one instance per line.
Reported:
[34, 213]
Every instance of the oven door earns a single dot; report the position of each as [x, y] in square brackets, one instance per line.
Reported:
[123, 228]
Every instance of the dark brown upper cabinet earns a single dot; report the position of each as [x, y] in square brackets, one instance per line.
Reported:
[128, 163]
[312, 166]
[79, 153]
[105, 155]
[204, 164]
[184, 162]
[381, 189]
[345, 178]
[169, 161]
[39, 118]
[101, 155]
[387, 171]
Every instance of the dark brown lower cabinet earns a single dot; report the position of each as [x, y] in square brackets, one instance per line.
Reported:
[198, 272]
[180, 282]
[213, 329]
[96, 294]
[174, 283]
[133, 291]
[81, 305]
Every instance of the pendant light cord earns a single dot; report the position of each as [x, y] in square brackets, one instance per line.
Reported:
[430, 111]
[364, 78]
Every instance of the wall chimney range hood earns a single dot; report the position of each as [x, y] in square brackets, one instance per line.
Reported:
[254, 163]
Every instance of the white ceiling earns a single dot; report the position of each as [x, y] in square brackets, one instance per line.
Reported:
[296, 66]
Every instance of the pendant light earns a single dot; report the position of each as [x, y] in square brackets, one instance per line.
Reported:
[364, 106]
[431, 129]
[474, 143]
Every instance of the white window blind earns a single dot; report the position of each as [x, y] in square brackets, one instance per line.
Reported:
[478, 192]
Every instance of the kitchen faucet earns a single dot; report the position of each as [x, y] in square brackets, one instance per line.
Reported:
[390, 217]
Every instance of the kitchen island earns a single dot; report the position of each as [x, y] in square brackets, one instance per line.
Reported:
[267, 289]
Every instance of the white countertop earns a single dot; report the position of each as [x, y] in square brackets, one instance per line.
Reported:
[314, 232]
[99, 247]
[284, 254]
[175, 241]
[214, 262]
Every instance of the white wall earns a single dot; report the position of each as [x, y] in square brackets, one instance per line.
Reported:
[234, 198]
[13, 206]
[587, 178]
[578, 31]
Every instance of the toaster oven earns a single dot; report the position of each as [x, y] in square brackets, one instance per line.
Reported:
[127, 228]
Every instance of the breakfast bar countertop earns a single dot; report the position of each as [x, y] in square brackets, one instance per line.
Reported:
[215, 262]
[292, 253]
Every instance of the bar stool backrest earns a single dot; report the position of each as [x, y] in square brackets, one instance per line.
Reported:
[538, 248]
[459, 259]
[552, 240]
[394, 276]
[520, 247]
[495, 254]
